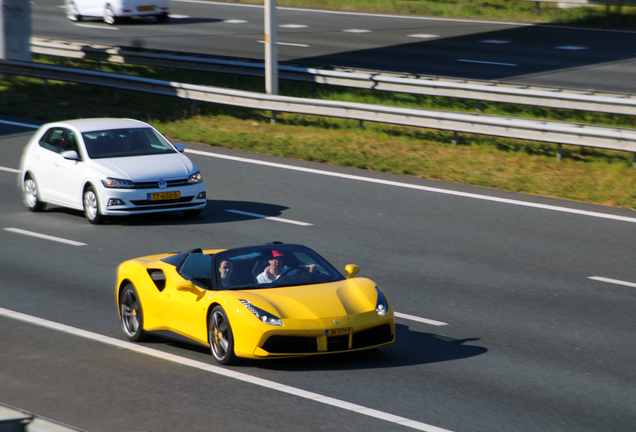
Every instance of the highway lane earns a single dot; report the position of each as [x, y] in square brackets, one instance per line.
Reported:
[554, 56]
[531, 343]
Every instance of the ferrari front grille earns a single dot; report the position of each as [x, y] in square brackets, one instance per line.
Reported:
[291, 345]
[338, 343]
[373, 336]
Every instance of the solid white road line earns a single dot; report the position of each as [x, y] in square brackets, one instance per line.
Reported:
[613, 281]
[19, 124]
[287, 44]
[293, 26]
[9, 170]
[234, 21]
[416, 187]
[418, 319]
[276, 219]
[356, 31]
[494, 41]
[45, 236]
[486, 62]
[272, 385]
[423, 36]
[571, 48]
[97, 26]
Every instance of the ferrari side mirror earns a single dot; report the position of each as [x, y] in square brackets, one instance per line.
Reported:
[351, 270]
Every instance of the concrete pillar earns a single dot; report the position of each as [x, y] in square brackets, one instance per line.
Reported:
[15, 30]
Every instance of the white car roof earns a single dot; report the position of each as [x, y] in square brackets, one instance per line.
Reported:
[96, 124]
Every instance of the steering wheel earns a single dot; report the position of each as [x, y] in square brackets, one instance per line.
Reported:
[290, 269]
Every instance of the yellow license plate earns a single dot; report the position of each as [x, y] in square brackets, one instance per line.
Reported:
[340, 331]
[145, 8]
[163, 196]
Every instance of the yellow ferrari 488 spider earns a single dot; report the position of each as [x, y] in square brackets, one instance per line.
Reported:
[268, 301]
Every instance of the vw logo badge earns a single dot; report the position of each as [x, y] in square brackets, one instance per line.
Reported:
[335, 322]
[162, 184]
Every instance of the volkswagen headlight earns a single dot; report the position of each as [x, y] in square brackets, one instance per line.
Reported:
[110, 182]
[265, 317]
[382, 306]
[195, 178]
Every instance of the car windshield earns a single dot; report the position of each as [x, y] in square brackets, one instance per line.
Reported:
[269, 266]
[127, 142]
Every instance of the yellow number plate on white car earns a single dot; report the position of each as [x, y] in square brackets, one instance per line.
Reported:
[145, 8]
[164, 196]
[340, 331]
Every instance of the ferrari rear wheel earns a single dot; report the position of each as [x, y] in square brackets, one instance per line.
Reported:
[220, 336]
[132, 317]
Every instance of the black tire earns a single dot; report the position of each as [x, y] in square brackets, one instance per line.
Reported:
[221, 337]
[71, 12]
[91, 206]
[192, 213]
[163, 18]
[132, 315]
[31, 195]
[109, 16]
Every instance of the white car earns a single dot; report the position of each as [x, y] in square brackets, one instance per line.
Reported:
[109, 167]
[114, 11]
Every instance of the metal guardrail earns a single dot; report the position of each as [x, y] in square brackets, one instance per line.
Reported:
[613, 103]
[510, 127]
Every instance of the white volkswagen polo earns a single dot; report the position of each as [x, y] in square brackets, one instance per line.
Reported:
[109, 167]
[114, 11]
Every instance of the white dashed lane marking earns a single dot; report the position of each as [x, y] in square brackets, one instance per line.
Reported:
[613, 281]
[272, 218]
[45, 236]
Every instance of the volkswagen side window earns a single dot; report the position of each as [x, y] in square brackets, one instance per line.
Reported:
[51, 139]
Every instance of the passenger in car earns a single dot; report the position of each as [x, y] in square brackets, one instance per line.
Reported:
[225, 272]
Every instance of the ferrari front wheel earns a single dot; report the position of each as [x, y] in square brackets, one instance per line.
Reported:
[132, 317]
[221, 338]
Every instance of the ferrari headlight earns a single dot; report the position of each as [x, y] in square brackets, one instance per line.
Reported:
[195, 178]
[110, 182]
[265, 317]
[382, 306]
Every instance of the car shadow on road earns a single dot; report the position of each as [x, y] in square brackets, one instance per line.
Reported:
[215, 212]
[411, 347]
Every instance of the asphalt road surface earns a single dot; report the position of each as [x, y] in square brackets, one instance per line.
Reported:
[501, 326]
[600, 60]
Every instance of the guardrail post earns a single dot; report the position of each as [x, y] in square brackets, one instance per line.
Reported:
[455, 138]
[46, 86]
[479, 106]
[193, 108]
[634, 162]
[272, 119]
[361, 124]
[559, 155]
[116, 98]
